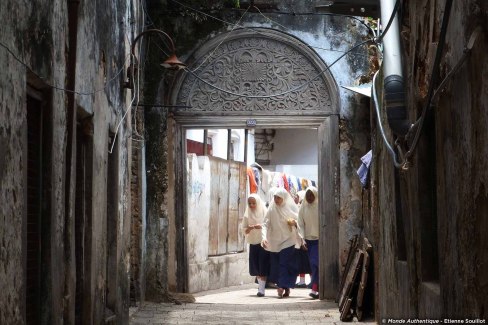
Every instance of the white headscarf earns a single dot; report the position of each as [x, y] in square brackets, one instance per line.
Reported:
[257, 215]
[308, 216]
[287, 206]
[276, 229]
[254, 217]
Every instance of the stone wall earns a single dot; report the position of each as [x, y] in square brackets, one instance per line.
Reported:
[47, 46]
[438, 210]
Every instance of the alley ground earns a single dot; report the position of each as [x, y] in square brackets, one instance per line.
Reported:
[239, 305]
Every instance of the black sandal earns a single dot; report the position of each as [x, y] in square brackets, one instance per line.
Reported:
[280, 292]
[287, 293]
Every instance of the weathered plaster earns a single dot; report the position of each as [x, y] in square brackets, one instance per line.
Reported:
[460, 170]
[36, 33]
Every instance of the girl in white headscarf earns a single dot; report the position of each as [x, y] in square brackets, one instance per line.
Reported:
[308, 227]
[252, 225]
[279, 237]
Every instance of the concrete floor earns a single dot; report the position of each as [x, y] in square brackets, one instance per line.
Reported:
[240, 305]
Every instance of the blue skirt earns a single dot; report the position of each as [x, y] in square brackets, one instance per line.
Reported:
[284, 270]
[259, 260]
[313, 254]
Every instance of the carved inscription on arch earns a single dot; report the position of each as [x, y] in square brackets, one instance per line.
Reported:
[274, 76]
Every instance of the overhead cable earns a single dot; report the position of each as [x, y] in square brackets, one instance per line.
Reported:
[285, 92]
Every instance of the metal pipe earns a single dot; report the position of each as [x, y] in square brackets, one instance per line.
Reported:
[394, 92]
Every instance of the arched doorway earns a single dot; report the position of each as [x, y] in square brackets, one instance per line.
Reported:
[276, 81]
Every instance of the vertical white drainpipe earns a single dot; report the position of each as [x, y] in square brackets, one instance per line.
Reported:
[394, 100]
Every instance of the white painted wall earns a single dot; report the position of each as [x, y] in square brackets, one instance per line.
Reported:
[295, 147]
[195, 135]
[198, 207]
[295, 153]
[198, 219]
[219, 142]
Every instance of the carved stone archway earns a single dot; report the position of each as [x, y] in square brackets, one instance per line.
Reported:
[278, 81]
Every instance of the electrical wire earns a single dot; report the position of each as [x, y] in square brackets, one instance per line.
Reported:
[434, 76]
[314, 47]
[146, 14]
[122, 119]
[139, 71]
[380, 126]
[266, 17]
[82, 93]
[317, 14]
[260, 33]
[226, 36]
[390, 21]
[285, 92]
[459, 64]
[136, 93]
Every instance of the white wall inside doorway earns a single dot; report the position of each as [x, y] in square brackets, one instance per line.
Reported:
[219, 142]
[295, 147]
[295, 152]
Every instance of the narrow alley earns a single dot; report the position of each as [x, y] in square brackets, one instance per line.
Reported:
[164, 161]
[239, 305]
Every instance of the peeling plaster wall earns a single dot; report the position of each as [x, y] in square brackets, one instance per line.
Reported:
[198, 170]
[461, 173]
[39, 41]
[101, 54]
[36, 33]
[208, 272]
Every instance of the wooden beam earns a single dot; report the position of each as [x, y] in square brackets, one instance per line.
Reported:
[328, 134]
[205, 144]
[246, 134]
[229, 143]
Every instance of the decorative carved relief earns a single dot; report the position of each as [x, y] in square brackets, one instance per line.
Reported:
[255, 66]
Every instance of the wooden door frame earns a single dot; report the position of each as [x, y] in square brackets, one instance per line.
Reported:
[328, 182]
[195, 107]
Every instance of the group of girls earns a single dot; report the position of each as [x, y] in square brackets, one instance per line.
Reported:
[275, 236]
